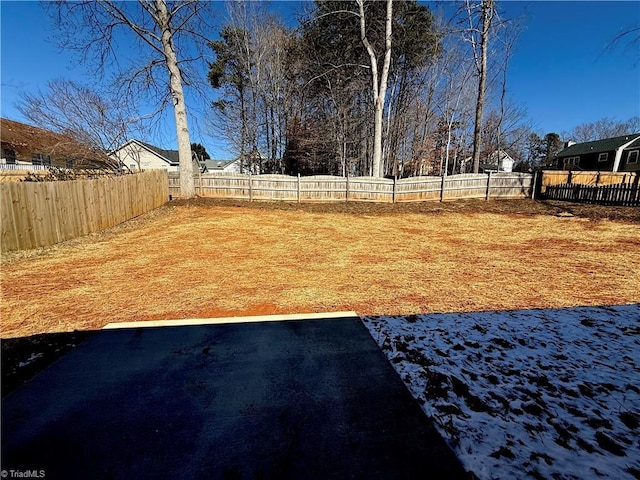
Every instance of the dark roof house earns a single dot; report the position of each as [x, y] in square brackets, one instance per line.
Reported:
[137, 155]
[617, 154]
[171, 155]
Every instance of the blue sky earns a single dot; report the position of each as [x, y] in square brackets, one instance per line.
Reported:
[562, 72]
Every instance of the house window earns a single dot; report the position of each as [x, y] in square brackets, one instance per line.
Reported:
[571, 162]
[603, 157]
[632, 158]
[40, 159]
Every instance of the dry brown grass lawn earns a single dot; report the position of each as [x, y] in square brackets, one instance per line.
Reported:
[211, 259]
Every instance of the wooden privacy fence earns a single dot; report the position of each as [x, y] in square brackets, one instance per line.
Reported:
[37, 214]
[326, 188]
[604, 188]
[554, 177]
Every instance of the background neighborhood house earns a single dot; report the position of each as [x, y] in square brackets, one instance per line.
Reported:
[138, 155]
[617, 154]
[497, 161]
[25, 147]
[221, 166]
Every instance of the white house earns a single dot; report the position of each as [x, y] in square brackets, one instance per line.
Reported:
[498, 161]
[137, 155]
[221, 166]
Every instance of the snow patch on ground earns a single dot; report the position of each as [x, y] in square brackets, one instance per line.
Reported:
[32, 358]
[526, 394]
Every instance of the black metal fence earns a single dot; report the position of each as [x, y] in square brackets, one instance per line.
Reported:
[620, 194]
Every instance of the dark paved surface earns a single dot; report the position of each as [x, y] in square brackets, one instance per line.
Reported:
[296, 399]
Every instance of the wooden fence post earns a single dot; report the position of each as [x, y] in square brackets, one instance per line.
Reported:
[442, 188]
[196, 164]
[250, 187]
[346, 198]
[393, 195]
[488, 185]
[534, 185]
[298, 193]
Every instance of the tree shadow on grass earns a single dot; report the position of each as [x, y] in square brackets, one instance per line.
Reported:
[24, 357]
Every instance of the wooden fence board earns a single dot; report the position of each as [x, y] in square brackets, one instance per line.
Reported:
[553, 177]
[8, 235]
[327, 188]
[36, 214]
[418, 189]
[323, 188]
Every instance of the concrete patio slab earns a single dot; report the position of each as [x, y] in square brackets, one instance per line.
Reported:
[299, 399]
[220, 320]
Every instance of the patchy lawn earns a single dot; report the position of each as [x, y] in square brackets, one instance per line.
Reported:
[209, 258]
[534, 394]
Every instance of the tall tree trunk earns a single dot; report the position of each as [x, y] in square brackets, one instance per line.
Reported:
[379, 84]
[187, 186]
[487, 15]
[243, 130]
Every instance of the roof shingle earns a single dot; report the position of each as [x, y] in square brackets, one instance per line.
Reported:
[605, 145]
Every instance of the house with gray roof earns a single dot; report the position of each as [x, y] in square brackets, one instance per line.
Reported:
[221, 166]
[137, 155]
[617, 154]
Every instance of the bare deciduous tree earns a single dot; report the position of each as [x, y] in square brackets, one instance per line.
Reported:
[604, 128]
[378, 80]
[93, 28]
[90, 117]
[487, 12]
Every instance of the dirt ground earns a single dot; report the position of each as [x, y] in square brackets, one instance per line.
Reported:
[208, 258]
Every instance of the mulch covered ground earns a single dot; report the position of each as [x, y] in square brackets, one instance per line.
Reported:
[207, 258]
